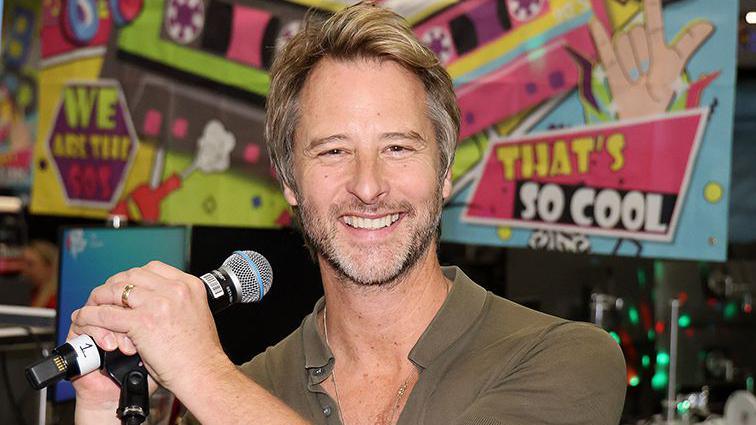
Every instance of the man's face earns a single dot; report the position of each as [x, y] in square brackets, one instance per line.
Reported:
[366, 165]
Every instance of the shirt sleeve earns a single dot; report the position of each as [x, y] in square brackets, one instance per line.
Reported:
[574, 374]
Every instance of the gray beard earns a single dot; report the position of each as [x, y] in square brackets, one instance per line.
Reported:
[322, 241]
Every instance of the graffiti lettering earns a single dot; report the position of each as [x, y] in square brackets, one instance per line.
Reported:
[561, 158]
[91, 146]
[79, 106]
[88, 181]
[589, 207]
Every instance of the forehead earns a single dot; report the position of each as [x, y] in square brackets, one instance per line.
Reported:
[362, 94]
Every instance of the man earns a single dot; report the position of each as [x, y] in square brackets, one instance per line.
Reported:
[362, 125]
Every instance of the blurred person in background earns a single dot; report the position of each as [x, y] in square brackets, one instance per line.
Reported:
[40, 268]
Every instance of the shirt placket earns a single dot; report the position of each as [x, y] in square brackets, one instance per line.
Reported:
[328, 406]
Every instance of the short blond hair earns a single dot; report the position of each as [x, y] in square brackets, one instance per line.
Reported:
[361, 31]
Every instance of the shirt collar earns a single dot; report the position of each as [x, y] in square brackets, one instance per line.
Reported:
[461, 309]
[458, 312]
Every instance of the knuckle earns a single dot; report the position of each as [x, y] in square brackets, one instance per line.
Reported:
[132, 274]
[154, 265]
[182, 292]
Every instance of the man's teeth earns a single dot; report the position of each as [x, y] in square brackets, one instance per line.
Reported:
[371, 223]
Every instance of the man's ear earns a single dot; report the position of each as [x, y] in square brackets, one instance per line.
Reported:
[447, 184]
[290, 195]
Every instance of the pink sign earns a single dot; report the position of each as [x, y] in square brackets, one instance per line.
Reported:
[624, 179]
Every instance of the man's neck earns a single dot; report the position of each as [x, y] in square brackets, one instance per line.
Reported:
[366, 324]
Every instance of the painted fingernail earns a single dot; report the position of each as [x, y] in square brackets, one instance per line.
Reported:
[644, 66]
[634, 74]
[110, 342]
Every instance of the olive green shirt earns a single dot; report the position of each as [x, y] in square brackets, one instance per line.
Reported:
[483, 360]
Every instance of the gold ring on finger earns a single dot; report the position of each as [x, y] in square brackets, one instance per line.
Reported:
[125, 295]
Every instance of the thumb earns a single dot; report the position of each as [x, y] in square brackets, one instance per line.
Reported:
[690, 39]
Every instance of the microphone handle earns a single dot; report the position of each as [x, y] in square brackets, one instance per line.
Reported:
[223, 289]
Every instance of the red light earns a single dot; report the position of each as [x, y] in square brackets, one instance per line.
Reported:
[690, 332]
[682, 297]
[712, 302]
[659, 327]
[748, 308]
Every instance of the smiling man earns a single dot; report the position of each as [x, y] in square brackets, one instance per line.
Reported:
[362, 124]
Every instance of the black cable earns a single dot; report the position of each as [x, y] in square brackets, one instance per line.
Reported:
[9, 389]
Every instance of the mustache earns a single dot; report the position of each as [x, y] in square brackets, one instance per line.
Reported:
[382, 207]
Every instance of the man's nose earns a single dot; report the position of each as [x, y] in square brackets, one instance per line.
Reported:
[368, 182]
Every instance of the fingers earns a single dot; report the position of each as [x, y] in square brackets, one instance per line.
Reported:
[639, 42]
[626, 57]
[691, 38]
[112, 291]
[654, 22]
[605, 49]
[125, 345]
[114, 318]
[104, 338]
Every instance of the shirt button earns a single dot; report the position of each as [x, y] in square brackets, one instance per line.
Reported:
[327, 411]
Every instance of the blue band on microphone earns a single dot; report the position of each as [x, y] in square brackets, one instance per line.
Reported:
[255, 269]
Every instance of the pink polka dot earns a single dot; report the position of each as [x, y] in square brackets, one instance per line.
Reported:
[252, 153]
[153, 119]
[180, 125]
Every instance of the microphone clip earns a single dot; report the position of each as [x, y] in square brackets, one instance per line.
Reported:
[131, 375]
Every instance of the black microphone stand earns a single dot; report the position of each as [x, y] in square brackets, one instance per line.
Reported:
[131, 375]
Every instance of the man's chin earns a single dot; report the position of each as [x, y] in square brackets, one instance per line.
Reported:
[369, 274]
[375, 269]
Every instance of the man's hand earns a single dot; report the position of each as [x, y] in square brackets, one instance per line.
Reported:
[641, 68]
[167, 321]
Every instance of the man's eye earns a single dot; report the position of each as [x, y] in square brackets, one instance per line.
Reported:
[331, 152]
[397, 148]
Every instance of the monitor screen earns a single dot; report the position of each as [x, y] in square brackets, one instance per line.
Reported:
[88, 256]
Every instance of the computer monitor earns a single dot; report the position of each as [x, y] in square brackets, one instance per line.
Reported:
[89, 255]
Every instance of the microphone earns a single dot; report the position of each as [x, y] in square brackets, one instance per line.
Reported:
[245, 276]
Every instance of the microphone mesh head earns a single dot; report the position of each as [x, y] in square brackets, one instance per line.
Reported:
[254, 274]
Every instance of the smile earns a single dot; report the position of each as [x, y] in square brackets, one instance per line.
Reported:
[370, 223]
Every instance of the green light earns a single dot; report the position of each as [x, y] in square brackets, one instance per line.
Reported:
[683, 407]
[730, 310]
[632, 312]
[749, 384]
[651, 335]
[616, 337]
[634, 381]
[659, 381]
[662, 358]
[646, 361]
[658, 271]
[683, 321]
[641, 277]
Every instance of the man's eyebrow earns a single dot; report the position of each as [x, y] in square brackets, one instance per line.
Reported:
[403, 135]
[323, 140]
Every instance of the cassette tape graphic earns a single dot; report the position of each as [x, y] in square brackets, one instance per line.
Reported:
[235, 54]
[238, 32]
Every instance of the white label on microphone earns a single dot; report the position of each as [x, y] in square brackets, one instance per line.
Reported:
[87, 355]
[212, 282]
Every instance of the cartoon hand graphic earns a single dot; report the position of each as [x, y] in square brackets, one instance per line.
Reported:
[641, 68]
